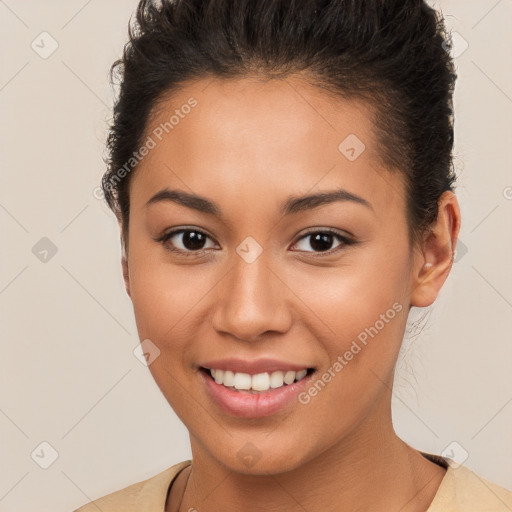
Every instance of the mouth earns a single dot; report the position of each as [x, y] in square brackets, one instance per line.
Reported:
[257, 383]
[255, 395]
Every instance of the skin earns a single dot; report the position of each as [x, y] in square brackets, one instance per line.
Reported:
[248, 146]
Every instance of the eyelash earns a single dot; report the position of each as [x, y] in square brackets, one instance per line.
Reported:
[345, 241]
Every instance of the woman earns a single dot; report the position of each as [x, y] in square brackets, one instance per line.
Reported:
[282, 176]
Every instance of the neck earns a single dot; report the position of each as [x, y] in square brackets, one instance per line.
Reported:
[371, 469]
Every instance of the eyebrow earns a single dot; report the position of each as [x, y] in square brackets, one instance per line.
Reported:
[293, 204]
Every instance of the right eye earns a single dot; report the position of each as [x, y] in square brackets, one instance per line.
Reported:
[189, 242]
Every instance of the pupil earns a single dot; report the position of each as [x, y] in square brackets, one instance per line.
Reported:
[321, 241]
[193, 240]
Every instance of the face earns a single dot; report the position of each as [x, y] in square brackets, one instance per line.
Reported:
[232, 268]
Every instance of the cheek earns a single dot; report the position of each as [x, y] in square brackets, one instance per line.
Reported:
[164, 295]
[165, 298]
[352, 297]
[364, 310]
[364, 307]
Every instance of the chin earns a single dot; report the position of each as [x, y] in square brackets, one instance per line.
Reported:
[262, 456]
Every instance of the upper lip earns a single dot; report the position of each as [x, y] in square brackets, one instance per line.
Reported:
[253, 367]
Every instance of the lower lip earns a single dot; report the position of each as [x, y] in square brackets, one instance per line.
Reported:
[254, 405]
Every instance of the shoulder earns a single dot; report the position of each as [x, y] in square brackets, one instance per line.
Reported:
[462, 490]
[149, 494]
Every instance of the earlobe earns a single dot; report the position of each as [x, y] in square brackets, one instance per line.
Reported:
[435, 259]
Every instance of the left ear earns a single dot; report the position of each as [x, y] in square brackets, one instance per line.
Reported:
[434, 259]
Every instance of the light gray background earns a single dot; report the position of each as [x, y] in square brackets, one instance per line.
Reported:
[68, 375]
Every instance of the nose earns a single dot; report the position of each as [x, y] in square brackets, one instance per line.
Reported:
[251, 302]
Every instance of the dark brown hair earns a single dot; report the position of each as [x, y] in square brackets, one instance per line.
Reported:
[393, 53]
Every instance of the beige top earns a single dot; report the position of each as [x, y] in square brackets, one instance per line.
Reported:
[461, 490]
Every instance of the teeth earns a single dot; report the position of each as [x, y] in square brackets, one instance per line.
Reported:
[301, 374]
[289, 377]
[229, 378]
[258, 382]
[242, 381]
[261, 382]
[276, 380]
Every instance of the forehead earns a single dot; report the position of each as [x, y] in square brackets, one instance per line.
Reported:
[260, 139]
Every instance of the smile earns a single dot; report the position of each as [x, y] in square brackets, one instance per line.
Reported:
[254, 389]
[259, 382]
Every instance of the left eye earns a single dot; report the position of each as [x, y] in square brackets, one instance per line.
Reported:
[321, 241]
